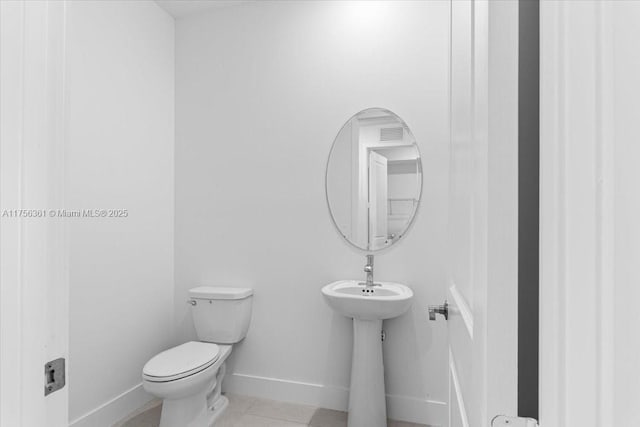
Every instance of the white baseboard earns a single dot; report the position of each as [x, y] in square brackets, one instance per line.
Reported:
[114, 410]
[402, 408]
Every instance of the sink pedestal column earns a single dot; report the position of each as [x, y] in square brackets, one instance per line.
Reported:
[367, 402]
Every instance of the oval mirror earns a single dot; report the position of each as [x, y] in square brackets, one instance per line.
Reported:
[374, 179]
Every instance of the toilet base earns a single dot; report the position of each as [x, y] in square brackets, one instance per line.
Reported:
[218, 410]
[199, 410]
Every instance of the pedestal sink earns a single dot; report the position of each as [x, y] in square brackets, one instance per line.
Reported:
[368, 306]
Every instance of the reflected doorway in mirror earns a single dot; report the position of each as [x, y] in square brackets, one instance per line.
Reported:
[374, 180]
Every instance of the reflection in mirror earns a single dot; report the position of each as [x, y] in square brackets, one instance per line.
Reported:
[374, 179]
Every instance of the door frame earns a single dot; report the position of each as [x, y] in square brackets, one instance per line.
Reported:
[34, 287]
[372, 205]
[576, 214]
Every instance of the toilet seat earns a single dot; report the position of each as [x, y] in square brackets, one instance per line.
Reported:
[181, 361]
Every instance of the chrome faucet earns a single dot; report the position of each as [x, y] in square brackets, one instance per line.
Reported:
[368, 268]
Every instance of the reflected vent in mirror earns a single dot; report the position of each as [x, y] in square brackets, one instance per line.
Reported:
[391, 134]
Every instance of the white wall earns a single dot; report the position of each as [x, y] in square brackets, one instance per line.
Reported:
[264, 88]
[120, 156]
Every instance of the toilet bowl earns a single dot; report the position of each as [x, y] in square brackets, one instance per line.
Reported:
[189, 377]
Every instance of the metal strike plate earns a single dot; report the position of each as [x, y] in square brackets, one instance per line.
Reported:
[54, 376]
[504, 421]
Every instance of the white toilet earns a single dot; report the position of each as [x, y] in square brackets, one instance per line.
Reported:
[188, 377]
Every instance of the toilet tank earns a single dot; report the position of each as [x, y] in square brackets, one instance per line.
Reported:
[221, 315]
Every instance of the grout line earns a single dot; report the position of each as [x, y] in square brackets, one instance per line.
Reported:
[278, 419]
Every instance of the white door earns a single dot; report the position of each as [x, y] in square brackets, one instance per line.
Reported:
[33, 283]
[378, 200]
[483, 252]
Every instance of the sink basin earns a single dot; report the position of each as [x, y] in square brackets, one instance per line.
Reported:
[350, 299]
[368, 307]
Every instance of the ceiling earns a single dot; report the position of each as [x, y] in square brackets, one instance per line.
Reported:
[182, 8]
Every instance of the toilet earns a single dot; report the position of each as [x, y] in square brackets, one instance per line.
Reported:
[188, 377]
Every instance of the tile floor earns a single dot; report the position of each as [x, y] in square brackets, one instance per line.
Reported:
[246, 411]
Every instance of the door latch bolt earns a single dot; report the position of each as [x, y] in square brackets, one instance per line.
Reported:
[439, 309]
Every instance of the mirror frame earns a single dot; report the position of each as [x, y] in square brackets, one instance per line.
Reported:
[326, 188]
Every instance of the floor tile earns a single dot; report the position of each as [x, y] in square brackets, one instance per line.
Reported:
[248, 420]
[282, 411]
[328, 418]
[147, 416]
[239, 403]
[229, 419]
[246, 411]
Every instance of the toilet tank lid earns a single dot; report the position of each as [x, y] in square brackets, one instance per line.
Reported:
[215, 292]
